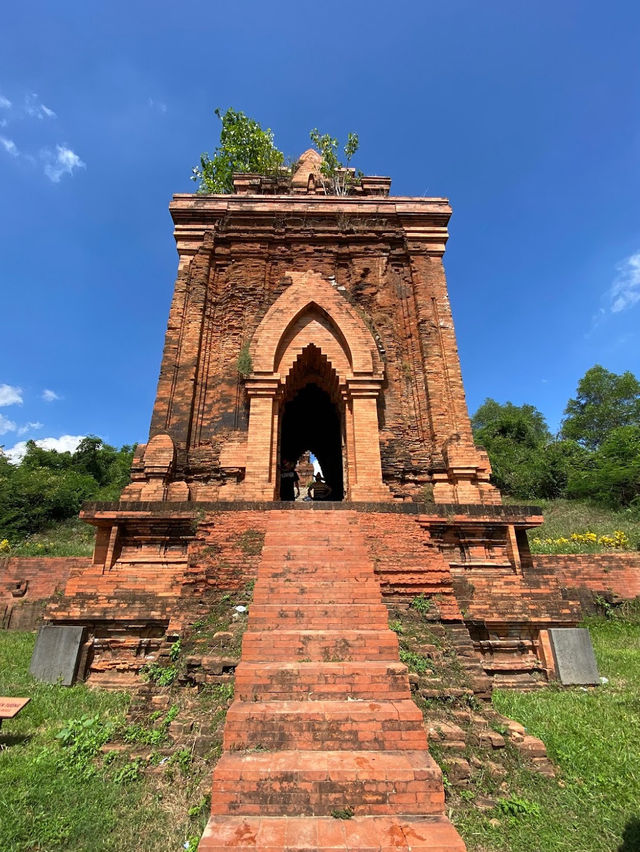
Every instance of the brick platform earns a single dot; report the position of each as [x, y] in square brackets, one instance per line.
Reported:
[323, 718]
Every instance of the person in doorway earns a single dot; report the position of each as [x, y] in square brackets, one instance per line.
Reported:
[289, 479]
[319, 490]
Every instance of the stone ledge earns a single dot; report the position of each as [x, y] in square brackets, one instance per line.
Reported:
[450, 512]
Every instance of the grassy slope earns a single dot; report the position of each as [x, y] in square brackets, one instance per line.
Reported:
[46, 804]
[592, 737]
[68, 538]
[563, 517]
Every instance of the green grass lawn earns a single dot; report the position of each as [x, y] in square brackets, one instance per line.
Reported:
[593, 737]
[54, 797]
[564, 517]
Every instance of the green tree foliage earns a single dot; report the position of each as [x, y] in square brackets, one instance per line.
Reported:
[523, 423]
[604, 401]
[611, 475]
[526, 461]
[244, 147]
[597, 457]
[48, 486]
[337, 177]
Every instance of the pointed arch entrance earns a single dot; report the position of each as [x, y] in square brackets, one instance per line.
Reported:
[316, 378]
[312, 417]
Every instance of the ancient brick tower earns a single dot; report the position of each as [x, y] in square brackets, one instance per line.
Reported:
[303, 322]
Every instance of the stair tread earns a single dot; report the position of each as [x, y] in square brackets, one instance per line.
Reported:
[316, 834]
[314, 765]
[346, 666]
[374, 711]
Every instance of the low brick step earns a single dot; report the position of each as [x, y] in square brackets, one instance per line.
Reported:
[329, 646]
[447, 735]
[317, 616]
[309, 592]
[320, 681]
[315, 783]
[322, 834]
[346, 546]
[325, 725]
[303, 537]
[326, 570]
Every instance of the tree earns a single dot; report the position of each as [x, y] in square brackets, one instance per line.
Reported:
[337, 177]
[526, 462]
[244, 147]
[612, 473]
[604, 401]
[48, 486]
[523, 423]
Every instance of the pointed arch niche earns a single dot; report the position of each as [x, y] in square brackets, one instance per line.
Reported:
[316, 378]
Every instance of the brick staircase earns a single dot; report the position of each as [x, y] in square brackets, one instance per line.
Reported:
[323, 721]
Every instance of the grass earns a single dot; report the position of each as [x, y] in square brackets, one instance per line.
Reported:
[67, 538]
[55, 795]
[592, 737]
[564, 517]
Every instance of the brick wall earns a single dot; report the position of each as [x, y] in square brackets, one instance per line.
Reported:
[27, 583]
[405, 562]
[599, 572]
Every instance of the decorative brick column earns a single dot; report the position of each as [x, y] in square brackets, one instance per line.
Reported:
[262, 444]
[365, 470]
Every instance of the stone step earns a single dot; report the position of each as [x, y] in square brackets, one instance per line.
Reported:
[325, 725]
[332, 544]
[275, 616]
[447, 735]
[323, 571]
[322, 834]
[287, 681]
[321, 535]
[329, 646]
[298, 591]
[293, 783]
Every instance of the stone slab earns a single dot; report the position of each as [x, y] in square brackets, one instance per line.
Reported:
[55, 657]
[574, 657]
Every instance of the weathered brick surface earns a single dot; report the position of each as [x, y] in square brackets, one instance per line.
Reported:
[360, 279]
[323, 718]
[27, 583]
[602, 572]
[407, 562]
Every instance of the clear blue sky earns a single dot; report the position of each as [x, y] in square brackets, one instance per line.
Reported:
[525, 114]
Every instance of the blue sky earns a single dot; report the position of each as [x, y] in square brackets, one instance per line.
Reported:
[526, 115]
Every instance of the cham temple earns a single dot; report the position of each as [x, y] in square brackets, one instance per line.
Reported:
[302, 325]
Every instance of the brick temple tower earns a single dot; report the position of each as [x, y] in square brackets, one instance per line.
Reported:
[302, 321]
[305, 323]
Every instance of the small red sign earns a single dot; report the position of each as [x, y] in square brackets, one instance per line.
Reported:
[10, 707]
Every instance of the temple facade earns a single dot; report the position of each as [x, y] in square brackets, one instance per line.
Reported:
[305, 324]
[311, 322]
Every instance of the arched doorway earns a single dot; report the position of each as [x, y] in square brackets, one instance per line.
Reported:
[317, 375]
[312, 417]
[311, 422]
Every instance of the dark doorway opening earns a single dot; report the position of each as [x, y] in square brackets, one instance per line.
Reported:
[311, 421]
